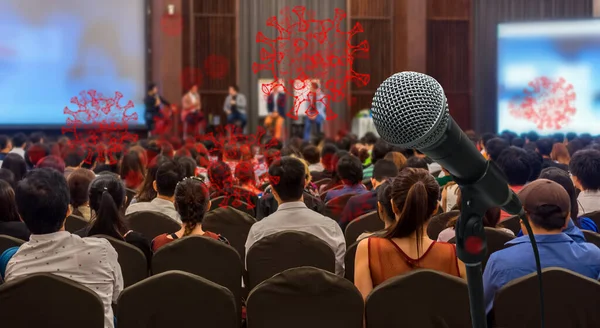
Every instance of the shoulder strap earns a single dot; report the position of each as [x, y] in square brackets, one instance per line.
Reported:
[4, 258]
[173, 235]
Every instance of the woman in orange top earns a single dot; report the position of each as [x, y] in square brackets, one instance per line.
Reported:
[406, 246]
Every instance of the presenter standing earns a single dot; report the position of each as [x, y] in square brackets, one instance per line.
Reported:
[276, 109]
[315, 115]
[191, 115]
[153, 103]
[235, 107]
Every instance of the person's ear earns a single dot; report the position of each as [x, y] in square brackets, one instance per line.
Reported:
[576, 182]
[380, 211]
[374, 183]
[567, 221]
[154, 186]
[395, 208]
[208, 206]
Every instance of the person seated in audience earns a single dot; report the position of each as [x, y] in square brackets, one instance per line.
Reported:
[384, 210]
[560, 154]
[168, 175]
[52, 162]
[5, 146]
[19, 142]
[43, 203]
[397, 157]
[8, 176]
[222, 185]
[535, 164]
[16, 164]
[380, 149]
[35, 153]
[192, 202]
[548, 208]
[450, 193]
[231, 156]
[494, 147]
[585, 170]
[147, 192]
[483, 141]
[10, 222]
[367, 202]
[416, 162]
[515, 163]
[517, 142]
[544, 148]
[336, 181]
[312, 156]
[244, 174]
[187, 164]
[328, 152]
[79, 183]
[74, 157]
[288, 178]
[349, 169]
[405, 245]
[443, 178]
[133, 169]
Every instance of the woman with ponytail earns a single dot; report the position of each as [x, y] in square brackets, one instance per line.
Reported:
[405, 245]
[107, 198]
[191, 202]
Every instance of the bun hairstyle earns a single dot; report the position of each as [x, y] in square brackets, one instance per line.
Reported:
[191, 202]
[415, 196]
[107, 197]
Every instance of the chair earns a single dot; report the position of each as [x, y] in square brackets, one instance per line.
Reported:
[495, 242]
[439, 222]
[232, 224]
[349, 259]
[205, 257]
[411, 297]
[285, 250]
[369, 222]
[7, 242]
[130, 194]
[592, 237]
[305, 297]
[334, 207]
[54, 300]
[324, 192]
[242, 206]
[177, 299]
[517, 303]
[513, 224]
[74, 223]
[133, 262]
[594, 216]
[322, 182]
[151, 224]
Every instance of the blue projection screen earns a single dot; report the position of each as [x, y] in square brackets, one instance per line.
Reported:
[51, 50]
[549, 77]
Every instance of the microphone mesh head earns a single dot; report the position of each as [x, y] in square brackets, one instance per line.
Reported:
[410, 110]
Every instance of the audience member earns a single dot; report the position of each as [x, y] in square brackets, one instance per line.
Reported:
[531, 137]
[535, 164]
[397, 157]
[52, 162]
[74, 158]
[312, 156]
[547, 206]
[222, 184]
[575, 146]
[560, 154]
[35, 153]
[544, 148]
[168, 175]
[336, 181]
[350, 171]
[37, 137]
[19, 142]
[288, 177]
[518, 142]
[495, 146]
[327, 154]
[8, 176]
[405, 246]
[16, 164]
[585, 169]
[483, 141]
[246, 179]
[79, 183]
[187, 164]
[416, 163]
[133, 169]
[367, 202]
[384, 210]
[516, 165]
[444, 178]
[5, 146]
[147, 192]
[43, 202]
[380, 149]
[10, 222]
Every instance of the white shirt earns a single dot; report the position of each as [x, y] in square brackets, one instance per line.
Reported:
[589, 201]
[91, 262]
[18, 150]
[297, 217]
[156, 205]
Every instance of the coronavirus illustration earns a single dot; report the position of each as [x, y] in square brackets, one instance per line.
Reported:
[216, 66]
[99, 125]
[547, 103]
[307, 49]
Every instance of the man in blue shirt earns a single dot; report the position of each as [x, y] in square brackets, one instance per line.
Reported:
[349, 168]
[547, 205]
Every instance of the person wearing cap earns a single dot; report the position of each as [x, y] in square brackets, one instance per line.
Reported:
[548, 208]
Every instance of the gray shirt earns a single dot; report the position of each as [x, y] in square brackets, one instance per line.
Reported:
[589, 201]
[297, 217]
[240, 102]
[156, 205]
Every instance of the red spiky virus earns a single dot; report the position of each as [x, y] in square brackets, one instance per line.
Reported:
[548, 104]
[308, 49]
[99, 125]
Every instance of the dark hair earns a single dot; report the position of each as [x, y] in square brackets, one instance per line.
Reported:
[220, 176]
[380, 149]
[327, 153]
[168, 174]
[570, 136]
[151, 86]
[290, 150]
[146, 192]
[495, 146]
[416, 163]
[132, 169]
[344, 144]
[314, 85]
[37, 137]
[8, 176]
[585, 165]
[575, 146]
[8, 206]
[79, 183]
[52, 162]
[188, 165]
[272, 155]
[415, 195]
[43, 200]
[107, 197]
[518, 142]
[235, 87]
[311, 154]
[244, 173]
[487, 137]
[515, 164]
[19, 139]
[532, 136]
[16, 164]
[548, 217]
[288, 177]
[191, 202]
[73, 156]
[544, 146]
[535, 161]
[559, 137]
[369, 138]
[3, 141]
[384, 197]
[491, 217]
[384, 169]
[35, 153]
[349, 170]
[562, 177]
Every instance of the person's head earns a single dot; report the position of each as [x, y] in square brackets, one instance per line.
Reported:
[397, 158]
[16, 164]
[42, 199]
[8, 206]
[416, 162]
[231, 153]
[244, 173]
[311, 154]
[547, 205]
[147, 192]
[518, 142]
[571, 136]
[107, 196]
[194, 89]
[152, 89]
[384, 204]
[287, 177]
[327, 154]
[369, 139]
[485, 138]
[349, 170]
[79, 183]
[37, 137]
[168, 174]
[52, 162]
[415, 196]
[585, 169]
[544, 146]
[188, 165]
[383, 170]
[532, 137]
[233, 90]
[515, 164]
[19, 140]
[560, 153]
[192, 201]
[574, 146]
[220, 175]
[380, 149]
[314, 86]
[132, 169]
[495, 146]
[535, 162]
[8, 176]
[73, 156]
[344, 144]
[36, 152]
[563, 178]
[5, 144]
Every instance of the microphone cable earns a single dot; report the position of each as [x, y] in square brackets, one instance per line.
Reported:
[536, 254]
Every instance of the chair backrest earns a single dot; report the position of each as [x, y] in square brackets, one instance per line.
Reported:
[305, 297]
[322, 182]
[177, 299]
[205, 257]
[592, 237]
[132, 260]
[285, 250]
[232, 224]
[325, 191]
[438, 223]
[495, 241]
[513, 224]
[151, 224]
[239, 205]
[369, 222]
[422, 298]
[74, 223]
[7, 242]
[517, 303]
[130, 193]
[55, 302]
[594, 216]
[334, 207]
[349, 258]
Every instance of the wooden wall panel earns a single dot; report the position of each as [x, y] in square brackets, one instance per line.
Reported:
[449, 9]
[371, 8]
[222, 7]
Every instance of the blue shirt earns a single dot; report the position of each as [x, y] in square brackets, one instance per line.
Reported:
[356, 189]
[556, 250]
[573, 231]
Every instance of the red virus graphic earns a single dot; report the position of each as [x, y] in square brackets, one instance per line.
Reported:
[308, 49]
[99, 126]
[546, 103]
[171, 25]
[216, 67]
